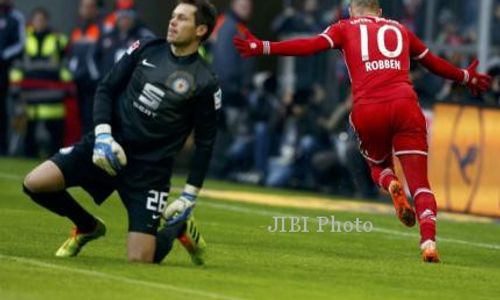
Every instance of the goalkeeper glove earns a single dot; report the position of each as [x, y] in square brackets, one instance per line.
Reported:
[108, 154]
[180, 209]
[476, 82]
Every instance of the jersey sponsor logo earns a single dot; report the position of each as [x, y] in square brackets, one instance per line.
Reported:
[150, 99]
[218, 99]
[147, 64]
[181, 82]
[134, 47]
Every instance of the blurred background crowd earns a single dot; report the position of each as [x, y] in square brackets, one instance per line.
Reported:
[285, 120]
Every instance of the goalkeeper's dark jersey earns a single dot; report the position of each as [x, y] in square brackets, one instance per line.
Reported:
[153, 101]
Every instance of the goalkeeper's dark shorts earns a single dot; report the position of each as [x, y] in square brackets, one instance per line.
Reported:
[143, 186]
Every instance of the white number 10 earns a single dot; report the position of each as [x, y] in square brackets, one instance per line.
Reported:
[365, 55]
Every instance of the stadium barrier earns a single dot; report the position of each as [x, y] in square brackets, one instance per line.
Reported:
[464, 159]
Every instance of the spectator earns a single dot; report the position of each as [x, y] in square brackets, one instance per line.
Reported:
[11, 45]
[307, 71]
[39, 78]
[301, 139]
[495, 33]
[249, 154]
[112, 45]
[449, 33]
[235, 73]
[342, 161]
[235, 77]
[109, 22]
[83, 38]
[412, 17]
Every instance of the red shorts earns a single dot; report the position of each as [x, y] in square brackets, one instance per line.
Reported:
[397, 125]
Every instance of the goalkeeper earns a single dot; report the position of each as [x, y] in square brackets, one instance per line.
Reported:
[145, 108]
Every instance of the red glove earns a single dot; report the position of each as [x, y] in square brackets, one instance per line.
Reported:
[250, 45]
[476, 82]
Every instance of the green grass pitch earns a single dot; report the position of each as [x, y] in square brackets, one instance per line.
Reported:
[245, 260]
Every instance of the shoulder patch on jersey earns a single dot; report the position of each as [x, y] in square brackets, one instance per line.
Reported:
[133, 47]
[218, 99]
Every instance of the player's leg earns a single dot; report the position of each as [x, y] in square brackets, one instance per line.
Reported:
[143, 189]
[415, 169]
[146, 246]
[141, 247]
[410, 146]
[45, 185]
[383, 175]
[188, 235]
[165, 239]
[372, 125]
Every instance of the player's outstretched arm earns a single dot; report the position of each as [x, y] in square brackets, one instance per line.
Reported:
[476, 82]
[251, 46]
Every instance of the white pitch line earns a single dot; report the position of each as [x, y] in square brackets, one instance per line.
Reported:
[267, 213]
[122, 279]
[10, 176]
[376, 229]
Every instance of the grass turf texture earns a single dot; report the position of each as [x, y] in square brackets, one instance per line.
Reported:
[245, 260]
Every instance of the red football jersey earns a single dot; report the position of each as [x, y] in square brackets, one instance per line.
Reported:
[377, 53]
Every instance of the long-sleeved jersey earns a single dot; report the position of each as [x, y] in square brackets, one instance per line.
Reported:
[153, 101]
[377, 52]
[11, 35]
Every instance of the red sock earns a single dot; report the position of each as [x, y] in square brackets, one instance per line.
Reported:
[425, 206]
[415, 169]
[382, 176]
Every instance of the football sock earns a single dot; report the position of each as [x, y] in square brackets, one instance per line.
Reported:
[63, 204]
[165, 240]
[425, 206]
[382, 175]
[415, 170]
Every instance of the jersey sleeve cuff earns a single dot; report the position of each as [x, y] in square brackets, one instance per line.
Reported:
[266, 45]
[102, 128]
[466, 77]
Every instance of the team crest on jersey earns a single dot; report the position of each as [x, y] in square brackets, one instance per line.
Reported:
[181, 82]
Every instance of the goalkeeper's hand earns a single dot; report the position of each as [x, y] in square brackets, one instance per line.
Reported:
[250, 45]
[476, 82]
[180, 209]
[108, 154]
